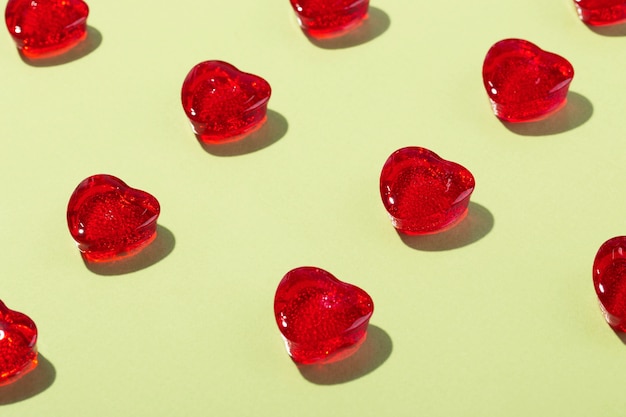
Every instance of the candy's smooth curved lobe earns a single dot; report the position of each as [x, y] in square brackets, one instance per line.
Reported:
[223, 103]
[601, 12]
[18, 345]
[110, 220]
[45, 28]
[321, 318]
[609, 281]
[422, 192]
[524, 82]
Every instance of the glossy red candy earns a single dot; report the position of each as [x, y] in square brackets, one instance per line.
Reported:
[424, 193]
[18, 344]
[601, 12]
[110, 220]
[45, 28]
[321, 318]
[323, 18]
[609, 281]
[223, 103]
[524, 82]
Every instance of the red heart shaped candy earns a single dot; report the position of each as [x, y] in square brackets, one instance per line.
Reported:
[601, 12]
[320, 318]
[424, 193]
[524, 82]
[18, 344]
[109, 220]
[609, 281]
[223, 103]
[322, 18]
[44, 28]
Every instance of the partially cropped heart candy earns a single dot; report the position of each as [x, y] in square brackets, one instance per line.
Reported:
[110, 220]
[223, 103]
[18, 344]
[601, 12]
[323, 18]
[320, 317]
[524, 82]
[44, 28]
[424, 193]
[609, 281]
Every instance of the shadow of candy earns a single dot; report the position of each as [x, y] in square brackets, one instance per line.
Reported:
[29, 385]
[273, 129]
[476, 225]
[376, 23]
[616, 30]
[620, 335]
[576, 112]
[84, 48]
[157, 250]
[374, 351]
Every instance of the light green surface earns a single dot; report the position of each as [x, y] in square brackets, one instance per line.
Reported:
[497, 317]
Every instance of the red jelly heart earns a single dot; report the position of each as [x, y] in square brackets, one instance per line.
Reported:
[524, 82]
[609, 280]
[601, 12]
[109, 220]
[223, 103]
[18, 339]
[322, 18]
[424, 193]
[44, 28]
[320, 317]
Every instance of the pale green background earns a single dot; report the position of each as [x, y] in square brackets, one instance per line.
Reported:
[497, 317]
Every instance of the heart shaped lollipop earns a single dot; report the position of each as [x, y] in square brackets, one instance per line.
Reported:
[424, 193]
[223, 103]
[609, 281]
[18, 344]
[601, 12]
[324, 18]
[321, 318]
[45, 28]
[524, 82]
[110, 220]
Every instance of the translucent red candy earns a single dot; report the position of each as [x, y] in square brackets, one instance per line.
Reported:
[18, 340]
[609, 281]
[223, 103]
[424, 193]
[321, 318]
[110, 220]
[524, 82]
[601, 12]
[322, 18]
[44, 28]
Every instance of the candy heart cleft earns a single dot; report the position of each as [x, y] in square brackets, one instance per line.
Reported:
[327, 18]
[523, 82]
[609, 281]
[18, 345]
[110, 220]
[601, 12]
[321, 319]
[424, 193]
[223, 103]
[46, 28]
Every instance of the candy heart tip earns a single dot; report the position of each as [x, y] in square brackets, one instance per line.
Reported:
[33, 54]
[113, 256]
[333, 357]
[402, 228]
[507, 118]
[329, 34]
[213, 139]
